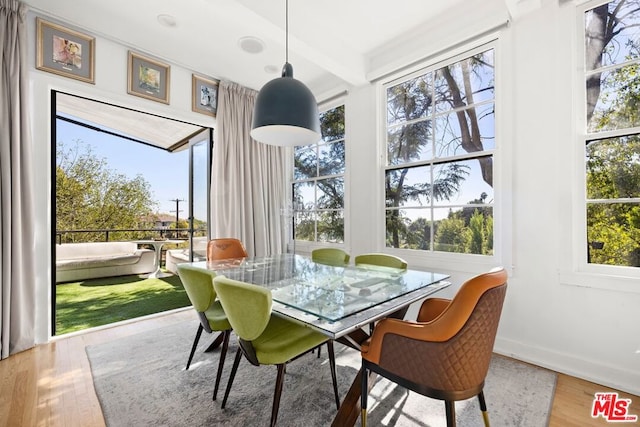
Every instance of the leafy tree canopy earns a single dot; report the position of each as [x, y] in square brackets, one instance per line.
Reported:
[91, 196]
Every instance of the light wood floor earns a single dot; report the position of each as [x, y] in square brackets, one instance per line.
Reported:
[51, 384]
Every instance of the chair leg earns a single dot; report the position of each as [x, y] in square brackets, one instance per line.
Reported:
[216, 342]
[483, 408]
[195, 344]
[236, 362]
[450, 409]
[313, 350]
[364, 394]
[277, 393]
[223, 354]
[332, 364]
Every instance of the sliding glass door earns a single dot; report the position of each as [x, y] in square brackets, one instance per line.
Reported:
[130, 195]
[199, 186]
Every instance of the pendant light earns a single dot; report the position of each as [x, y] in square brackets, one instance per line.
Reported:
[286, 112]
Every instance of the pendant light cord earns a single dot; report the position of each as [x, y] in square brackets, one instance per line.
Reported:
[286, 26]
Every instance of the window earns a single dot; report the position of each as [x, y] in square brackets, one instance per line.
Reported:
[318, 183]
[440, 138]
[612, 133]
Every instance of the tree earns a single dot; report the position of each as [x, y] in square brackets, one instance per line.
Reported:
[613, 164]
[466, 114]
[322, 218]
[90, 196]
[602, 26]
[613, 173]
[452, 235]
[477, 237]
[410, 106]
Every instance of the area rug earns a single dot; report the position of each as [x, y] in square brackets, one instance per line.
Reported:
[141, 380]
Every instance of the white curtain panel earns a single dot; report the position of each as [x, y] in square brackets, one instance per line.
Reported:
[17, 242]
[248, 187]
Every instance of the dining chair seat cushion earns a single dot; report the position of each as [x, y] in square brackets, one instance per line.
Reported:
[217, 317]
[275, 339]
[283, 340]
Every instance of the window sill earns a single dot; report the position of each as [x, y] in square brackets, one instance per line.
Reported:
[461, 263]
[607, 282]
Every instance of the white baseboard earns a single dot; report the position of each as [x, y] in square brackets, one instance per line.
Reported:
[599, 373]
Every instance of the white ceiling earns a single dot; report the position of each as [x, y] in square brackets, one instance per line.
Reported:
[330, 41]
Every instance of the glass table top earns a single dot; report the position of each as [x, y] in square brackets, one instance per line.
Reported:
[329, 292]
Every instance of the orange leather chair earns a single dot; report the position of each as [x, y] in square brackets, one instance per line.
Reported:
[445, 354]
[225, 248]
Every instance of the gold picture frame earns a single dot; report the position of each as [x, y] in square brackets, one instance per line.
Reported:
[204, 95]
[65, 52]
[148, 78]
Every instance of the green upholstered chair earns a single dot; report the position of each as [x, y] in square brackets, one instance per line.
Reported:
[199, 286]
[266, 338]
[381, 260]
[330, 256]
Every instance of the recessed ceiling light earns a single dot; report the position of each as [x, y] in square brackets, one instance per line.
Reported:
[167, 20]
[251, 44]
[271, 69]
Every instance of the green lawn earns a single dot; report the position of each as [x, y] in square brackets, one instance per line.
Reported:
[96, 302]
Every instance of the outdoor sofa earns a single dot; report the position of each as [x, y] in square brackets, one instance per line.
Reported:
[80, 261]
[178, 256]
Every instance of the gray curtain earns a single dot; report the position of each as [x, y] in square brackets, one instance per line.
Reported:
[248, 185]
[17, 243]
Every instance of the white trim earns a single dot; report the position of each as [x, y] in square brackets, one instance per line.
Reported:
[581, 273]
[454, 261]
[406, 64]
[591, 370]
[608, 281]
[332, 101]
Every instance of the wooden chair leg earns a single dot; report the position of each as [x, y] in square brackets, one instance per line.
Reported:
[195, 344]
[223, 354]
[277, 393]
[332, 364]
[450, 409]
[364, 394]
[483, 408]
[236, 362]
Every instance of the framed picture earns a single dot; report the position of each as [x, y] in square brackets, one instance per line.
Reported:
[148, 78]
[204, 95]
[65, 52]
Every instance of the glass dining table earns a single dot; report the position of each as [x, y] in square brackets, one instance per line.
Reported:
[338, 301]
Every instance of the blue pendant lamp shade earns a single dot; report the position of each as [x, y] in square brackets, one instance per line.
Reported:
[286, 112]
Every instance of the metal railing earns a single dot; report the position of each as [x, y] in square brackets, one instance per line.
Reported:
[110, 234]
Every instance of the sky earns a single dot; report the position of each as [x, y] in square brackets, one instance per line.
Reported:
[167, 173]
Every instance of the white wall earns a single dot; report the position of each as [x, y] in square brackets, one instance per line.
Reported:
[576, 323]
[580, 324]
[111, 86]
